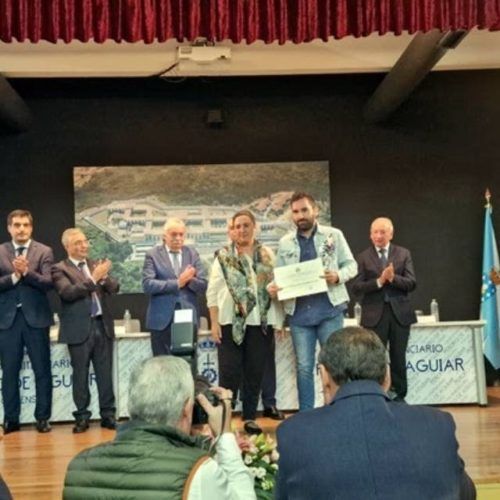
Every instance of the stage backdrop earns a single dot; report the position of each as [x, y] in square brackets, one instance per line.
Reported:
[123, 210]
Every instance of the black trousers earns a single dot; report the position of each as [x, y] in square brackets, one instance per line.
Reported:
[98, 348]
[161, 341]
[269, 380]
[12, 342]
[246, 361]
[390, 330]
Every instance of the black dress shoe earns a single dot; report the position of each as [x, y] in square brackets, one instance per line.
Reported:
[108, 423]
[80, 426]
[10, 426]
[251, 427]
[274, 413]
[43, 426]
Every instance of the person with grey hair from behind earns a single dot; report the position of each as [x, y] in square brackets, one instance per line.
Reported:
[155, 455]
[361, 444]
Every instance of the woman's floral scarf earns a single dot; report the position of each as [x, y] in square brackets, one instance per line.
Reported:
[237, 271]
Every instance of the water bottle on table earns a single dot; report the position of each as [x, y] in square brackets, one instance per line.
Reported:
[127, 321]
[435, 309]
[357, 313]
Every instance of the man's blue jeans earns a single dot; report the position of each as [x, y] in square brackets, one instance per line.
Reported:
[304, 343]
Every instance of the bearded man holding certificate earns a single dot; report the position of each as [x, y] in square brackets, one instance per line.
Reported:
[318, 314]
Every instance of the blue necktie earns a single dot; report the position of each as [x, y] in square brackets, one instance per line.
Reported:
[94, 308]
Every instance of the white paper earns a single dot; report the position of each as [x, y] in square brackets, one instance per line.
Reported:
[183, 316]
[297, 280]
[426, 319]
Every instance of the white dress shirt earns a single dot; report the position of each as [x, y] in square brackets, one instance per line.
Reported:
[224, 477]
[171, 257]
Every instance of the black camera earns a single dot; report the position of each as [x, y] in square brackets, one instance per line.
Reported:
[202, 386]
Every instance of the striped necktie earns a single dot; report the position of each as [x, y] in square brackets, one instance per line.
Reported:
[176, 263]
[94, 308]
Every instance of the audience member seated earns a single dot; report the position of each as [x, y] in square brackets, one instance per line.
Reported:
[362, 445]
[153, 455]
[4, 490]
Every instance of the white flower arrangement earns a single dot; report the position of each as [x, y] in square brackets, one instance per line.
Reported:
[261, 457]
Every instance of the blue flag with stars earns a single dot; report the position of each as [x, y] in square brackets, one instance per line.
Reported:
[489, 296]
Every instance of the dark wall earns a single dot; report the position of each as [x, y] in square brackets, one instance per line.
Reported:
[427, 169]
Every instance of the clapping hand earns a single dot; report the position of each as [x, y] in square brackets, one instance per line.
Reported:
[186, 276]
[101, 270]
[20, 265]
[387, 275]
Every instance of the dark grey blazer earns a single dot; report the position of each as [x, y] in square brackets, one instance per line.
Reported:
[372, 297]
[31, 290]
[75, 291]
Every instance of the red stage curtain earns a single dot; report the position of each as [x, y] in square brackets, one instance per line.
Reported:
[236, 20]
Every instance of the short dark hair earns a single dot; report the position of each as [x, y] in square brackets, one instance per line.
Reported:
[354, 353]
[245, 213]
[299, 195]
[19, 213]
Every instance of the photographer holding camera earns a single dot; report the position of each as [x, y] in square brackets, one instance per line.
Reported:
[154, 455]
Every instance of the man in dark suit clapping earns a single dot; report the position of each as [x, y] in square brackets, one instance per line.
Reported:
[87, 325]
[385, 278]
[25, 319]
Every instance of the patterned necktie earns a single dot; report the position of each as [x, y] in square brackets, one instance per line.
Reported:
[176, 263]
[20, 250]
[383, 258]
[94, 308]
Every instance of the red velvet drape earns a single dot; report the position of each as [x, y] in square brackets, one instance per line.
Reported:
[236, 20]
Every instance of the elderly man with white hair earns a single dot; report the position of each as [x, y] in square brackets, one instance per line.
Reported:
[385, 278]
[84, 286]
[173, 277]
[153, 455]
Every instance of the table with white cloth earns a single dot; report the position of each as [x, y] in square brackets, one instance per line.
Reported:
[444, 364]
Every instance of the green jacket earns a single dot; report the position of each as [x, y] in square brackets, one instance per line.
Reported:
[143, 462]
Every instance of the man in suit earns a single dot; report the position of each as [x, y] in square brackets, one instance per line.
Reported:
[363, 445]
[173, 277]
[385, 279]
[87, 325]
[25, 319]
